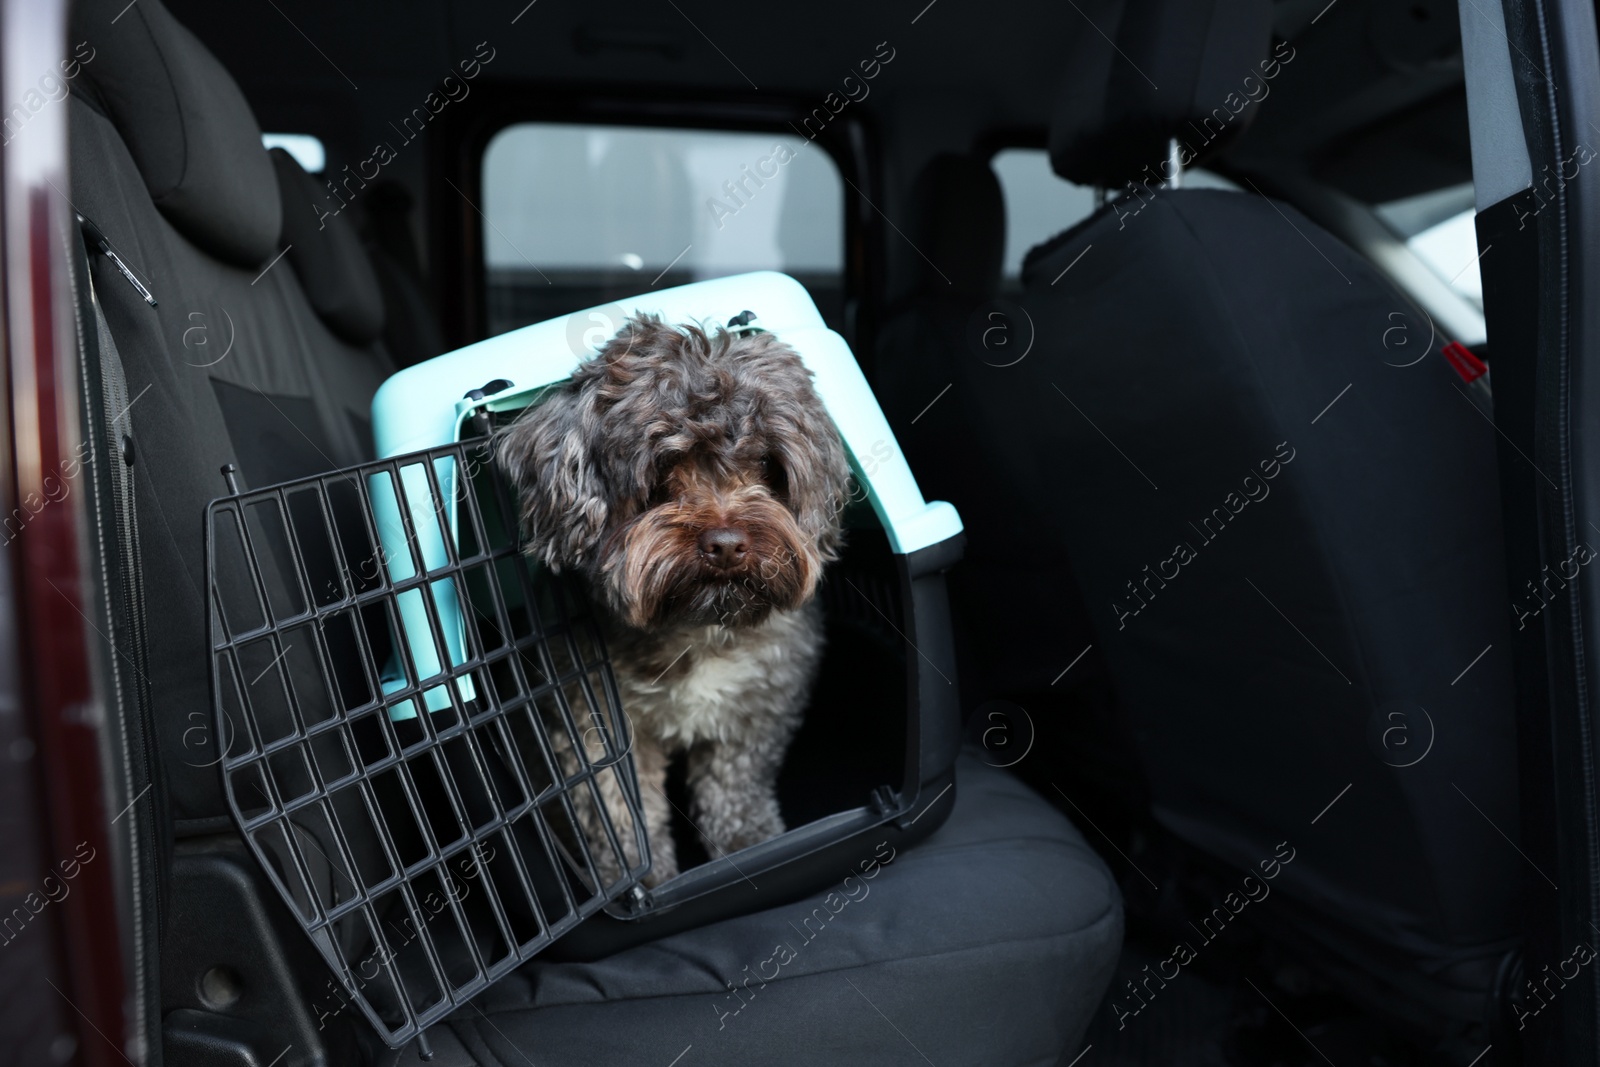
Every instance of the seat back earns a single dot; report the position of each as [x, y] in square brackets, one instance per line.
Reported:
[236, 363]
[948, 332]
[1281, 506]
[260, 353]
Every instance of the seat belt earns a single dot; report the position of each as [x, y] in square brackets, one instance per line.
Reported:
[109, 440]
[118, 430]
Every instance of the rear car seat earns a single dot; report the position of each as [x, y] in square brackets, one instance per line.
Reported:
[990, 943]
[411, 328]
[1015, 613]
[235, 364]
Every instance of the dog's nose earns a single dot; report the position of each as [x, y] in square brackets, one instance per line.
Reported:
[724, 546]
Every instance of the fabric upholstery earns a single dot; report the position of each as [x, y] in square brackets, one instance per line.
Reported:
[217, 322]
[410, 328]
[192, 136]
[1308, 643]
[324, 250]
[991, 943]
[1282, 507]
[942, 338]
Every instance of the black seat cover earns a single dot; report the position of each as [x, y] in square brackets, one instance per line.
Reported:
[234, 365]
[323, 247]
[1281, 505]
[411, 329]
[187, 128]
[1286, 604]
[991, 942]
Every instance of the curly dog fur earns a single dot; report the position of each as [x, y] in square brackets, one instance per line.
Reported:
[695, 480]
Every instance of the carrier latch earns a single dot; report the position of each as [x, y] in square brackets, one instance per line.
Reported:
[885, 801]
[743, 323]
[480, 417]
[499, 385]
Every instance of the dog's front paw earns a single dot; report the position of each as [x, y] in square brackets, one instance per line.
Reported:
[742, 826]
[663, 863]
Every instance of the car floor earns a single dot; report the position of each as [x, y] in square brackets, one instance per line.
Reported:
[1217, 1011]
[1216, 1014]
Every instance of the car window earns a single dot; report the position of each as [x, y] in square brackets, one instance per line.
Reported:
[1439, 227]
[306, 149]
[580, 215]
[1039, 205]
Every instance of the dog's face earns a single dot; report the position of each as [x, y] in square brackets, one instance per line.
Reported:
[694, 478]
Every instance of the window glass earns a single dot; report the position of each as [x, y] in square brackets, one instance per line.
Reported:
[1039, 205]
[306, 149]
[578, 215]
[1439, 227]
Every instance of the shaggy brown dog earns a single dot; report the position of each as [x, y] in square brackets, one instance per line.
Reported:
[696, 481]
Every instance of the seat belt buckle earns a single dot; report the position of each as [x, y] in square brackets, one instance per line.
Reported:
[98, 242]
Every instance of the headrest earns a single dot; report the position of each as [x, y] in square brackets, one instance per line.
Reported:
[959, 217]
[1186, 69]
[186, 124]
[327, 255]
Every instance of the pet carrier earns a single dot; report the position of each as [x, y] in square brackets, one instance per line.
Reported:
[402, 682]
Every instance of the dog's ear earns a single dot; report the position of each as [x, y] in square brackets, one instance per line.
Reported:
[819, 480]
[806, 441]
[545, 453]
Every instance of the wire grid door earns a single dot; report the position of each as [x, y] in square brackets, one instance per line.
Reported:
[425, 748]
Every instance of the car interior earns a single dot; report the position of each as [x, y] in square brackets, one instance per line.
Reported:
[1179, 304]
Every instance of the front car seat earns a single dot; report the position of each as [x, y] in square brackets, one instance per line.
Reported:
[1282, 508]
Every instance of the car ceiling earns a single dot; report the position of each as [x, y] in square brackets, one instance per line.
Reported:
[1374, 103]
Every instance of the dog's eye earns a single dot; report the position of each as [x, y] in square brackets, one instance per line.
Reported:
[661, 483]
[775, 477]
